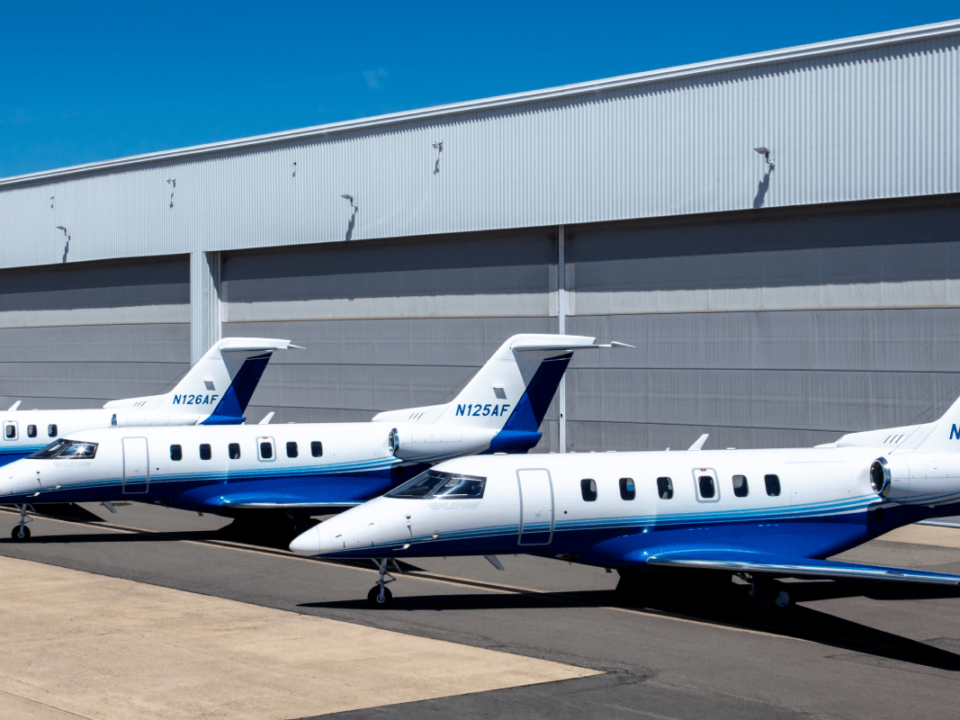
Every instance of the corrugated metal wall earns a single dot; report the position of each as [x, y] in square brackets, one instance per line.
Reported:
[388, 325]
[878, 122]
[768, 307]
[77, 336]
[772, 333]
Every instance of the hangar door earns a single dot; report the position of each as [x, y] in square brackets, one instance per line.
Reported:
[136, 469]
[536, 507]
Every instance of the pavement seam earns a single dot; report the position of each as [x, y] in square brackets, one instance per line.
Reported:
[45, 704]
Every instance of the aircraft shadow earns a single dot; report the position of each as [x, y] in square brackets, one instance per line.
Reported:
[738, 611]
[112, 537]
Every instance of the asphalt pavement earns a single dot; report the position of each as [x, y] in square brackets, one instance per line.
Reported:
[847, 650]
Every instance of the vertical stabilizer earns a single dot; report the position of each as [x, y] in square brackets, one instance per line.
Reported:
[220, 385]
[945, 436]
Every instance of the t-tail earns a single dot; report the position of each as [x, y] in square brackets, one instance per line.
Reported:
[218, 388]
[501, 408]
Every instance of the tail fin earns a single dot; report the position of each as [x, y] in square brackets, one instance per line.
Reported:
[220, 385]
[510, 394]
[943, 435]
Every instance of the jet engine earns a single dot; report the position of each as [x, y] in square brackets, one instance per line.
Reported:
[130, 418]
[917, 478]
[429, 442]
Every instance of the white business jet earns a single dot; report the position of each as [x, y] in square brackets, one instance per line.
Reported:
[300, 469]
[759, 514]
[215, 391]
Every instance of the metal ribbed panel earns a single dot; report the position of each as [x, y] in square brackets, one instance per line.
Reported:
[873, 121]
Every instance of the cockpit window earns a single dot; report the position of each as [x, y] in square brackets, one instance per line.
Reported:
[433, 484]
[83, 450]
[67, 449]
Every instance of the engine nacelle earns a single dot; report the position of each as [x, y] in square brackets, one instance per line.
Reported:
[917, 478]
[427, 442]
[147, 418]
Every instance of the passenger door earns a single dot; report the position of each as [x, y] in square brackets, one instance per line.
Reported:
[136, 466]
[536, 507]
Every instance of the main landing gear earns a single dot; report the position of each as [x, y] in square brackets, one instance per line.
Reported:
[20, 532]
[379, 596]
[768, 593]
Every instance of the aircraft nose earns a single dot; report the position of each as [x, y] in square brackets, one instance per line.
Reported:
[307, 543]
[18, 483]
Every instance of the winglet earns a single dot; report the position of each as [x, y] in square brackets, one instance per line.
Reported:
[698, 445]
[15, 406]
[267, 418]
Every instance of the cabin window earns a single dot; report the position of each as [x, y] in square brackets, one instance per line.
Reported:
[10, 430]
[266, 450]
[291, 450]
[665, 488]
[773, 485]
[316, 448]
[233, 450]
[31, 430]
[51, 430]
[205, 453]
[740, 486]
[176, 452]
[708, 489]
[588, 488]
[628, 491]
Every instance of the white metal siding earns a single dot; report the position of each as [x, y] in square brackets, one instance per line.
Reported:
[876, 122]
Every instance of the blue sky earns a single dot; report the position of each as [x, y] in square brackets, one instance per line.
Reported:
[88, 81]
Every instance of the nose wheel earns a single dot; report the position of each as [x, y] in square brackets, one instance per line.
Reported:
[20, 532]
[380, 596]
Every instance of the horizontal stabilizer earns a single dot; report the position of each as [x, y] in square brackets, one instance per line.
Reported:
[571, 348]
[787, 566]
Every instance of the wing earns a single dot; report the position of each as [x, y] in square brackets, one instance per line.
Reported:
[787, 566]
[291, 502]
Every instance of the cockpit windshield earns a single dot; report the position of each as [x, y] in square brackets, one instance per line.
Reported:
[432, 484]
[66, 449]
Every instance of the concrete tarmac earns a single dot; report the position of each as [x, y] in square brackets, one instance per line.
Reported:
[848, 650]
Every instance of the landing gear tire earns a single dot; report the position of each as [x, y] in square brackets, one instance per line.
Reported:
[20, 533]
[374, 598]
[769, 596]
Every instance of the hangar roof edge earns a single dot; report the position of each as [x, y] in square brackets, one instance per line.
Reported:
[768, 57]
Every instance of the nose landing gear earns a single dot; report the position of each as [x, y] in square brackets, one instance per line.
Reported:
[20, 532]
[379, 596]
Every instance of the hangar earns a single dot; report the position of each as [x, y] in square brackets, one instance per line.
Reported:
[777, 233]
